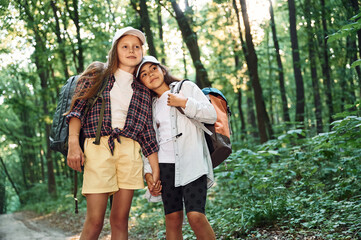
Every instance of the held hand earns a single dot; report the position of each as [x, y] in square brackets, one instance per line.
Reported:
[176, 100]
[75, 158]
[154, 188]
[150, 181]
[157, 189]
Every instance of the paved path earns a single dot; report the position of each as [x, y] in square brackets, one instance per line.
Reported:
[17, 227]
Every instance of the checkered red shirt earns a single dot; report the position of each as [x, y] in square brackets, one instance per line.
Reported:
[138, 124]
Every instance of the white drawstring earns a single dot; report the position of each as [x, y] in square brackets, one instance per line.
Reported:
[169, 139]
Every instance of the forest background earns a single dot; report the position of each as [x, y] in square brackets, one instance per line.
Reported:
[289, 69]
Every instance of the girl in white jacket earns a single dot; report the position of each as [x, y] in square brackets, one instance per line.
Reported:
[185, 165]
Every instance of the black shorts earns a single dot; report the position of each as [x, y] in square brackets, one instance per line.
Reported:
[194, 193]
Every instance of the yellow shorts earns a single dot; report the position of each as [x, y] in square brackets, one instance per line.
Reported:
[107, 173]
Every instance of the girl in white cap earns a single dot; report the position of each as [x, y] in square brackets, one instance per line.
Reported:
[185, 165]
[114, 165]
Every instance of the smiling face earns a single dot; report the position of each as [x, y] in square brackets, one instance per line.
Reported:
[152, 76]
[130, 53]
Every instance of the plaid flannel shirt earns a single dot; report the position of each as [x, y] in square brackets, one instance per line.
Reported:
[138, 125]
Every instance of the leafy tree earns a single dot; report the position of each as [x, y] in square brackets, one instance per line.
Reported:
[325, 64]
[286, 116]
[313, 66]
[190, 38]
[300, 94]
[264, 126]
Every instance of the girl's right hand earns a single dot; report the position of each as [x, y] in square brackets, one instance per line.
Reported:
[157, 190]
[154, 187]
[75, 158]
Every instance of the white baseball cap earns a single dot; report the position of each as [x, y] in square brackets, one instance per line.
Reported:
[129, 31]
[146, 59]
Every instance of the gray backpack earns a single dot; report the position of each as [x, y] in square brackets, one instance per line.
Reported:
[60, 129]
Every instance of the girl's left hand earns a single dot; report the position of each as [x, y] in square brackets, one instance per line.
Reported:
[176, 100]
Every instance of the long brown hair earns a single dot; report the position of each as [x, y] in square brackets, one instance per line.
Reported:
[95, 74]
[168, 77]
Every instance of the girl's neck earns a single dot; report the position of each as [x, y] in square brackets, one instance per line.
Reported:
[162, 90]
[127, 68]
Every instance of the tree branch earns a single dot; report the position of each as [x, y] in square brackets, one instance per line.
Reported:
[11, 180]
[165, 7]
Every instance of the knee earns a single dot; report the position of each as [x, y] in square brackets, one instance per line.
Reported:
[174, 220]
[95, 223]
[119, 222]
[196, 219]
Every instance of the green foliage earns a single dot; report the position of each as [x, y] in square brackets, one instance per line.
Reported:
[297, 185]
[40, 201]
[353, 26]
[356, 63]
[307, 185]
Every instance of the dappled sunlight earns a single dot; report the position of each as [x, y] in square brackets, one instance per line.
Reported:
[295, 167]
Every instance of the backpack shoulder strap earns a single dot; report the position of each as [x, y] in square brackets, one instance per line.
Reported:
[178, 86]
[176, 89]
[91, 103]
[100, 95]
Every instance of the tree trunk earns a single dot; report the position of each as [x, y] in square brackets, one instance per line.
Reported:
[160, 30]
[300, 92]
[325, 65]
[356, 10]
[241, 115]
[190, 38]
[270, 79]
[313, 68]
[264, 126]
[41, 67]
[145, 21]
[184, 62]
[349, 94]
[41, 63]
[2, 193]
[74, 15]
[59, 39]
[251, 117]
[286, 115]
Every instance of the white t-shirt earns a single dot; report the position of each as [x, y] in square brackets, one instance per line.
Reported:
[162, 118]
[120, 96]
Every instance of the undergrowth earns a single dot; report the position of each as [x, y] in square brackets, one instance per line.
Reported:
[300, 186]
[289, 184]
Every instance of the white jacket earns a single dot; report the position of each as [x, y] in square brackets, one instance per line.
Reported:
[192, 158]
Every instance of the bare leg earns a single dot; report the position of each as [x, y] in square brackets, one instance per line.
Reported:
[96, 206]
[119, 214]
[173, 225]
[200, 225]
